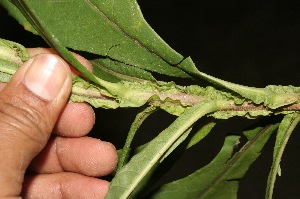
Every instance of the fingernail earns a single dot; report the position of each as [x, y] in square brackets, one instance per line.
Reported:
[46, 76]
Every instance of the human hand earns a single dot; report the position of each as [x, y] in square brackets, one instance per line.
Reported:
[44, 152]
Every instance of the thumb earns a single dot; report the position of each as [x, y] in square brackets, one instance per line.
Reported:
[29, 107]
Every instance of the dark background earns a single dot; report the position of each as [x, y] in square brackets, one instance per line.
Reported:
[254, 43]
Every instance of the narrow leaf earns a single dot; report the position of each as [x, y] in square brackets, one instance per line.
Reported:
[133, 173]
[15, 12]
[179, 141]
[285, 130]
[201, 133]
[220, 178]
[139, 119]
[161, 168]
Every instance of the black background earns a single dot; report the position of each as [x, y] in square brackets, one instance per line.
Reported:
[255, 43]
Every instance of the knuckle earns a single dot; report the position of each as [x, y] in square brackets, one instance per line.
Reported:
[20, 118]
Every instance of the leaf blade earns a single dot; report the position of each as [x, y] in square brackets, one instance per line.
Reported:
[105, 32]
[219, 179]
[285, 130]
[132, 173]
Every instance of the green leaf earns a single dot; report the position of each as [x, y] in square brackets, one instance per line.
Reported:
[285, 130]
[137, 168]
[139, 119]
[114, 71]
[15, 12]
[160, 168]
[112, 29]
[204, 129]
[220, 178]
[178, 142]
[55, 43]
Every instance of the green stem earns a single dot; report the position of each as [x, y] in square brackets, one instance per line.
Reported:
[8, 71]
[12, 55]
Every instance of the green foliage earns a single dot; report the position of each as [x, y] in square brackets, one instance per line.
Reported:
[220, 178]
[285, 130]
[131, 41]
[127, 54]
[132, 173]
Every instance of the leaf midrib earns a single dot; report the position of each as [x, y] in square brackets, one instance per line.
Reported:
[233, 161]
[97, 10]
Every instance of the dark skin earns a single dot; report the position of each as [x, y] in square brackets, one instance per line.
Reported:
[44, 150]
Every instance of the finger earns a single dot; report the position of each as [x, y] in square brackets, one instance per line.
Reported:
[85, 155]
[29, 107]
[73, 111]
[2, 85]
[66, 126]
[36, 51]
[81, 112]
[64, 185]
